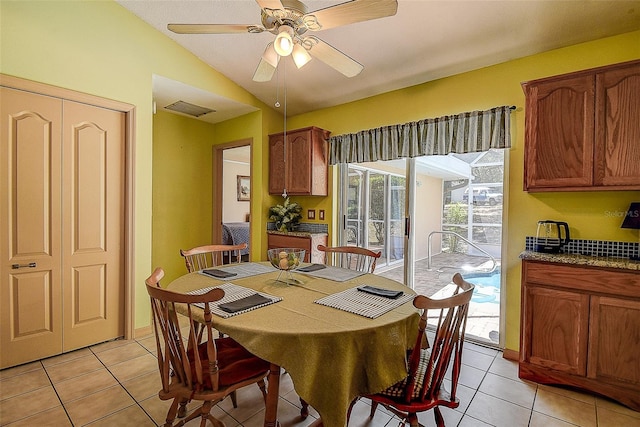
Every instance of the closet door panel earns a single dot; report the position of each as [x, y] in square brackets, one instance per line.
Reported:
[30, 287]
[93, 211]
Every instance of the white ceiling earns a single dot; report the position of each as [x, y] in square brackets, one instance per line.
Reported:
[424, 41]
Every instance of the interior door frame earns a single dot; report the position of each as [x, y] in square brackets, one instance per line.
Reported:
[218, 168]
[129, 176]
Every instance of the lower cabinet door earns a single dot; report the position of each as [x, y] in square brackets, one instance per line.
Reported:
[614, 341]
[556, 329]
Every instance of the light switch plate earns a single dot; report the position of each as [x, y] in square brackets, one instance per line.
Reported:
[321, 213]
[311, 214]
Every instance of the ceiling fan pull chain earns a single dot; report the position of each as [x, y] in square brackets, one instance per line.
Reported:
[277, 104]
[284, 89]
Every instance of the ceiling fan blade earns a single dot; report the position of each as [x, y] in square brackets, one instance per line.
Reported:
[349, 13]
[270, 4]
[264, 72]
[212, 28]
[334, 58]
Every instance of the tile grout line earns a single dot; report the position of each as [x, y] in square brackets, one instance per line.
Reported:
[122, 386]
[476, 390]
[55, 390]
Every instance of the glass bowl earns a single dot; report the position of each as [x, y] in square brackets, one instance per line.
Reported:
[286, 259]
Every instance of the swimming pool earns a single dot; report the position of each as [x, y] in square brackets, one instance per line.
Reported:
[487, 286]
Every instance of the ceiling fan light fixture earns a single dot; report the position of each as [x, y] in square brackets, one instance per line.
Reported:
[300, 56]
[271, 56]
[284, 41]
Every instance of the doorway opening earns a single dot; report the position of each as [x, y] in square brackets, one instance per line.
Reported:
[232, 194]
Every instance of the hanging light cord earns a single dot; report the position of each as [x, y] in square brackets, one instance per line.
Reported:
[284, 85]
[277, 104]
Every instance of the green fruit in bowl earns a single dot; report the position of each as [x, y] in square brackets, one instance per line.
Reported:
[285, 259]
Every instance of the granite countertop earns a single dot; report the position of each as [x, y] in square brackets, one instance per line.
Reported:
[296, 233]
[608, 262]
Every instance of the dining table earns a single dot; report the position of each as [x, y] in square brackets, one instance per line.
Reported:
[334, 341]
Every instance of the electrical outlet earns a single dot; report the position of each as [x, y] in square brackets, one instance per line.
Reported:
[321, 213]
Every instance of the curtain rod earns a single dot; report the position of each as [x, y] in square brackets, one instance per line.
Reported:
[513, 107]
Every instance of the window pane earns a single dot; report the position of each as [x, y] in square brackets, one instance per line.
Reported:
[453, 243]
[492, 156]
[376, 198]
[488, 174]
[355, 226]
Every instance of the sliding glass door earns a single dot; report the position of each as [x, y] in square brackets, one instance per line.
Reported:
[374, 211]
[448, 231]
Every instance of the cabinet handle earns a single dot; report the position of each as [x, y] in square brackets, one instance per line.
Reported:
[30, 265]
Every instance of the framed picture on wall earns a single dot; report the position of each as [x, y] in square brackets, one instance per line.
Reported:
[244, 188]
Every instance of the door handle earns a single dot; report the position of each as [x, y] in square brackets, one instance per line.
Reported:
[30, 265]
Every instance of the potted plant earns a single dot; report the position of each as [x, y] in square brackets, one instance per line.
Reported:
[286, 216]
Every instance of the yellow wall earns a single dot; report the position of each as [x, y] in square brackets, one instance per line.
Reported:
[257, 126]
[182, 182]
[100, 48]
[588, 213]
[182, 190]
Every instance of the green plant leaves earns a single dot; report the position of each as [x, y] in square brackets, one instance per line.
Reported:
[285, 216]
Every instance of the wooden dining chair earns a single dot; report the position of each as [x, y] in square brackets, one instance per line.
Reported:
[206, 371]
[424, 387]
[207, 256]
[351, 257]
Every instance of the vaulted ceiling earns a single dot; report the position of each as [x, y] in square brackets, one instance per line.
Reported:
[425, 40]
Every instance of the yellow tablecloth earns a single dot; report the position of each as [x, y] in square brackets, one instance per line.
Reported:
[331, 355]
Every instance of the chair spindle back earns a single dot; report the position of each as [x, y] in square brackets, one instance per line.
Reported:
[351, 257]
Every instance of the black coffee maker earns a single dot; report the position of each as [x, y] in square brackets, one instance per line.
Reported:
[550, 237]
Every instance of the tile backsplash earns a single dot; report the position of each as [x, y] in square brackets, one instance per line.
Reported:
[305, 227]
[604, 248]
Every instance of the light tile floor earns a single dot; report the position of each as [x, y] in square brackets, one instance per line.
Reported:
[116, 384]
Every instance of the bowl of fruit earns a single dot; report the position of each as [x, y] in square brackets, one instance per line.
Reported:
[286, 259]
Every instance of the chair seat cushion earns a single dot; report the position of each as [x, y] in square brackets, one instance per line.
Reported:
[235, 363]
[398, 389]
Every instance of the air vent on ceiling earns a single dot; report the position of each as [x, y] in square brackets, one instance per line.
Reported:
[190, 109]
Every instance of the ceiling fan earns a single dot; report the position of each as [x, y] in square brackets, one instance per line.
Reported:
[290, 21]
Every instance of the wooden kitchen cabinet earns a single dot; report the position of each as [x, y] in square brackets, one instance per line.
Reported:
[582, 130]
[307, 241]
[614, 326]
[301, 163]
[617, 124]
[581, 327]
[558, 328]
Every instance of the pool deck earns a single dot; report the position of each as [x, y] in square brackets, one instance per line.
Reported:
[483, 321]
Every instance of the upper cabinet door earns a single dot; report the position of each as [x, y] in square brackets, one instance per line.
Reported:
[583, 130]
[276, 164]
[559, 133]
[299, 164]
[617, 153]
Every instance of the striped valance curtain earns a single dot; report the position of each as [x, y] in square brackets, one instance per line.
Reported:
[462, 133]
